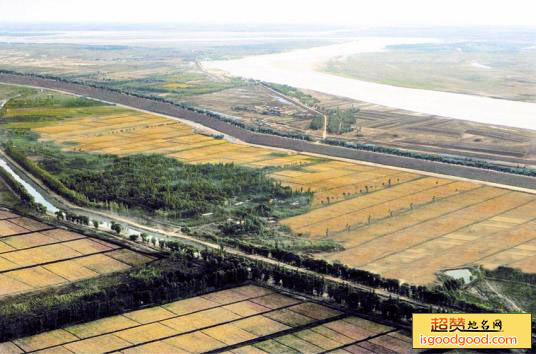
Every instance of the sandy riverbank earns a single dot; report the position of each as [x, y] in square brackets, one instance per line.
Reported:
[299, 68]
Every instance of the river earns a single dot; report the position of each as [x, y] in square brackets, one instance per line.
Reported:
[300, 68]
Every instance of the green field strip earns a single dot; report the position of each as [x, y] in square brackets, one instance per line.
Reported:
[444, 234]
[169, 318]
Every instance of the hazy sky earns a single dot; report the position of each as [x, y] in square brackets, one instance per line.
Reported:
[347, 12]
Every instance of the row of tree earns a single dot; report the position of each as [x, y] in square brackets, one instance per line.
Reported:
[436, 295]
[185, 273]
[48, 179]
[301, 136]
[161, 282]
[511, 274]
[464, 161]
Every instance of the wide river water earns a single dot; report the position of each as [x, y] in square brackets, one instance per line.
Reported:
[300, 68]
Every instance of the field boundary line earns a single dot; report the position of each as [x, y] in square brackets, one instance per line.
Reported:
[361, 341]
[373, 205]
[280, 333]
[207, 327]
[406, 211]
[152, 322]
[62, 260]
[463, 227]
[25, 233]
[426, 173]
[426, 220]
[46, 244]
[238, 141]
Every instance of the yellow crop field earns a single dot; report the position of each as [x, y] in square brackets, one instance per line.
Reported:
[29, 224]
[129, 257]
[183, 307]
[229, 334]
[315, 311]
[260, 325]
[31, 260]
[246, 308]
[100, 344]
[4, 214]
[8, 228]
[289, 318]
[315, 338]
[299, 344]
[95, 328]
[37, 277]
[252, 291]
[159, 330]
[154, 347]
[71, 270]
[197, 342]
[10, 286]
[274, 301]
[45, 340]
[61, 234]
[102, 264]
[27, 241]
[145, 333]
[393, 222]
[153, 314]
[225, 296]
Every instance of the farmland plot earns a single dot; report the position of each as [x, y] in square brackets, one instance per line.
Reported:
[225, 320]
[396, 223]
[34, 255]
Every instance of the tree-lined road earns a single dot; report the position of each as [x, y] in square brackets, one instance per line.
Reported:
[255, 138]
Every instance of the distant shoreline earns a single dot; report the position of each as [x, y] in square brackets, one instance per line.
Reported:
[299, 68]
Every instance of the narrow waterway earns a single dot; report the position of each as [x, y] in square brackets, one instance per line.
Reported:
[29, 188]
[105, 223]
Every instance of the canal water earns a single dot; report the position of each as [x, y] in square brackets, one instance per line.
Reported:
[29, 188]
